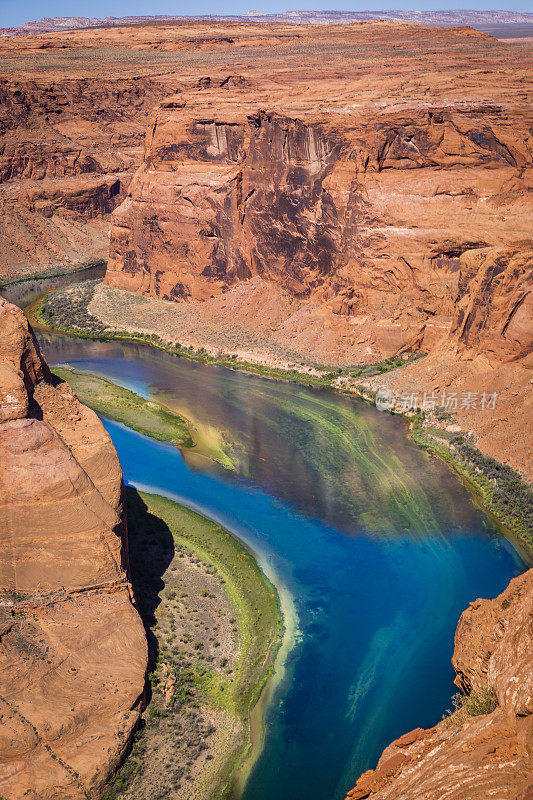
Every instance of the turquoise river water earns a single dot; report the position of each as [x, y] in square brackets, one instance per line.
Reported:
[377, 544]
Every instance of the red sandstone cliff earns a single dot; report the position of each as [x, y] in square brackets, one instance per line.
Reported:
[488, 348]
[345, 220]
[380, 214]
[483, 756]
[68, 149]
[72, 646]
[349, 192]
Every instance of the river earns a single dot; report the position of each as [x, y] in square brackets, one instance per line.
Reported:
[376, 546]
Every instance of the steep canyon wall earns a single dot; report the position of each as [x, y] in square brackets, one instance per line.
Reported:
[68, 149]
[72, 646]
[403, 224]
[469, 757]
[345, 216]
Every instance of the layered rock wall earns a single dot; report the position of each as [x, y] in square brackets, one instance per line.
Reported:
[387, 218]
[387, 204]
[72, 645]
[64, 128]
[68, 149]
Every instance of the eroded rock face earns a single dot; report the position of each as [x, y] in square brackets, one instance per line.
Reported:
[62, 128]
[392, 208]
[68, 149]
[485, 756]
[388, 218]
[395, 229]
[72, 646]
[241, 206]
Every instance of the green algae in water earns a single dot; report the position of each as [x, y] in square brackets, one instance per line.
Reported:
[335, 438]
[378, 543]
[123, 405]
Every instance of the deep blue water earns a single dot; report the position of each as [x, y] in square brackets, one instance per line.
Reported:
[379, 545]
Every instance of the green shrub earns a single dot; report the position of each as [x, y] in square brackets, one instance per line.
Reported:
[502, 490]
[475, 704]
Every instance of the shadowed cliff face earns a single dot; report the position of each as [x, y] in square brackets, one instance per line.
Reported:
[406, 225]
[68, 149]
[63, 128]
[237, 200]
[72, 646]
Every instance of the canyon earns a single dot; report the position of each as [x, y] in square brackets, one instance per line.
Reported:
[398, 223]
[67, 150]
[72, 646]
[339, 196]
[330, 194]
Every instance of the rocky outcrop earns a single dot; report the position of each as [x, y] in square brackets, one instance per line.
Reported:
[229, 188]
[488, 349]
[395, 227]
[473, 757]
[68, 149]
[72, 646]
[51, 223]
[494, 304]
[63, 128]
[386, 217]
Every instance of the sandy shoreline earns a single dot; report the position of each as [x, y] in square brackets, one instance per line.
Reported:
[289, 638]
[271, 687]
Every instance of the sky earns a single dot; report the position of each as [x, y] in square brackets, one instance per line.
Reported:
[15, 12]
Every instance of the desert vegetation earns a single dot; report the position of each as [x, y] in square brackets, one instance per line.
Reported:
[54, 272]
[475, 704]
[123, 405]
[501, 489]
[67, 311]
[213, 624]
[381, 367]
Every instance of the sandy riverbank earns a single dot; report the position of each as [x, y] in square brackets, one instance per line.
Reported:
[503, 491]
[214, 625]
[290, 635]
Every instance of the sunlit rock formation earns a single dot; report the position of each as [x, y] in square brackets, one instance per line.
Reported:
[386, 217]
[72, 645]
[68, 149]
[396, 219]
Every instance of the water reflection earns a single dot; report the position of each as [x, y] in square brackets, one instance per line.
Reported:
[378, 544]
[333, 457]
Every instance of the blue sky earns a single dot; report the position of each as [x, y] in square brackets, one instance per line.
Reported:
[15, 12]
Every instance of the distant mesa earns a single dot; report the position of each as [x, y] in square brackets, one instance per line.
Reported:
[471, 18]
